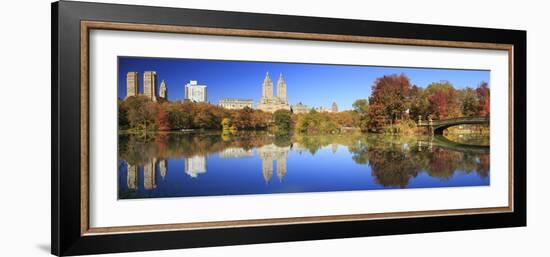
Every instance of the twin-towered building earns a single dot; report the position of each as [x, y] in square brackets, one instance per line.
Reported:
[270, 102]
[149, 86]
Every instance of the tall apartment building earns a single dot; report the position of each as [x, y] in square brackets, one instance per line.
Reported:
[195, 92]
[150, 84]
[132, 86]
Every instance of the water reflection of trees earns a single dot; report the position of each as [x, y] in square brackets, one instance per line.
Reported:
[139, 150]
[394, 161]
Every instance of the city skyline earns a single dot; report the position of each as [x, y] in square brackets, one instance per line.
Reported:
[243, 79]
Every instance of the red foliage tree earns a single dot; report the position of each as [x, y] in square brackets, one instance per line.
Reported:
[390, 95]
[377, 117]
[161, 120]
[484, 96]
[438, 102]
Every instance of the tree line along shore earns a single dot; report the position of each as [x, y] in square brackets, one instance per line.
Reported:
[395, 105]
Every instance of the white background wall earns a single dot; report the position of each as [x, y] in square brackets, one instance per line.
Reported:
[25, 127]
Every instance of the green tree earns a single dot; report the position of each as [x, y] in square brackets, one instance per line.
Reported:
[361, 107]
[282, 120]
[316, 123]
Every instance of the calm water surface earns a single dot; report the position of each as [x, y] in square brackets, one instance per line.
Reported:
[211, 163]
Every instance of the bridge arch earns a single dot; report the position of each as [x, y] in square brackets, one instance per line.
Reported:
[438, 126]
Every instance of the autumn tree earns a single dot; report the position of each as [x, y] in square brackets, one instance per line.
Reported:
[227, 124]
[389, 98]
[161, 119]
[443, 100]
[260, 119]
[484, 95]
[418, 104]
[347, 118]
[469, 101]
[392, 93]
[439, 105]
[141, 112]
[123, 122]
[179, 116]
[242, 119]
[377, 118]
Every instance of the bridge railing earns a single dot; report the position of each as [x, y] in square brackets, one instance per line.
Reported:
[452, 121]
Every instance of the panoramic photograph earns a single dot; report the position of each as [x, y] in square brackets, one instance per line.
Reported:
[194, 127]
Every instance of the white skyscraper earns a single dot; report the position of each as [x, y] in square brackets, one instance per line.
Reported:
[195, 92]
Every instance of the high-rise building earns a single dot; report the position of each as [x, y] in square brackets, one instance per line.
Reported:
[267, 87]
[132, 86]
[150, 84]
[281, 89]
[163, 90]
[270, 103]
[195, 92]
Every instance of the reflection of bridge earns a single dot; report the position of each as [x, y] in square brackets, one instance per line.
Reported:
[438, 126]
[442, 141]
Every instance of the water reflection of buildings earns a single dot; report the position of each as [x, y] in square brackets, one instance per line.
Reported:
[270, 153]
[334, 147]
[132, 177]
[163, 168]
[299, 148]
[149, 174]
[195, 165]
[235, 152]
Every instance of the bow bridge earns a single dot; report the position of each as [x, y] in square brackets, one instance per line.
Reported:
[438, 126]
[442, 141]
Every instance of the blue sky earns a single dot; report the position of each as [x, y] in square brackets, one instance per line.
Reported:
[312, 84]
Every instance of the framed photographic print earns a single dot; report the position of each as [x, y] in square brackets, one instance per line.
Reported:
[178, 128]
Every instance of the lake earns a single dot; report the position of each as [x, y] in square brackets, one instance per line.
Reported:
[185, 164]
